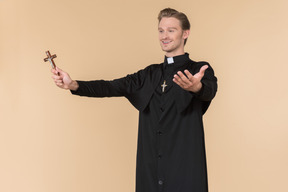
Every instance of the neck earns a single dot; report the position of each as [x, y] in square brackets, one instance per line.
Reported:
[174, 54]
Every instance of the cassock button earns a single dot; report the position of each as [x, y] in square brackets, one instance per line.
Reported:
[159, 133]
[159, 156]
[160, 182]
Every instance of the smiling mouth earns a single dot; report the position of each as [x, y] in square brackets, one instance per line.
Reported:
[166, 42]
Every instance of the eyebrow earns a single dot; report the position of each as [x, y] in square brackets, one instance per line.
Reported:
[167, 28]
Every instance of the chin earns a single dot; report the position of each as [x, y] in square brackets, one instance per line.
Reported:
[166, 49]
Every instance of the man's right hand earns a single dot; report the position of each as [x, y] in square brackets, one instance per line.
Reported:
[63, 80]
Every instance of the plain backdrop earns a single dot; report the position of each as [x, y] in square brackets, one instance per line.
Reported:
[53, 141]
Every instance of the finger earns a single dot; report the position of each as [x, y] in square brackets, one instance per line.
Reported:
[54, 71]
[59, 84]
[179, 81]
[58, 80]
[183, 77]
[188, 74]
[56, 77]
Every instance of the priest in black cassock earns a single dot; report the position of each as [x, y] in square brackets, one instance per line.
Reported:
[171, 98]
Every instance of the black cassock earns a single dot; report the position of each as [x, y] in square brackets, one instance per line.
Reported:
[171, 148]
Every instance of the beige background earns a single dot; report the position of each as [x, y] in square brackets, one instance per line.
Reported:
[53, 141]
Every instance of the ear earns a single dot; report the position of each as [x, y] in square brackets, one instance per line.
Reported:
[186, 34]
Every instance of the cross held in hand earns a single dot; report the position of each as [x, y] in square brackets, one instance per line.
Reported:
[50, 59]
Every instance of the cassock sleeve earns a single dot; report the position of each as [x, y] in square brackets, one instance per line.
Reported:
[115, 88]
[209, 83]
[209, 88]
[137, 88]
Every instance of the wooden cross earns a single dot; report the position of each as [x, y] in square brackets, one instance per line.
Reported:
[50, 59]
[163, 86]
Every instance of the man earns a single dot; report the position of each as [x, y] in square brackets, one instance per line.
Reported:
[171, 98]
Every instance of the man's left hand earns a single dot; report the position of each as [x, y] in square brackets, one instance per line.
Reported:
[190, 82]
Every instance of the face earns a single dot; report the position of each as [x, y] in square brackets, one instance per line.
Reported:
[172, 36]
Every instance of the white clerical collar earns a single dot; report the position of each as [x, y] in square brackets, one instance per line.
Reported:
[170, 60]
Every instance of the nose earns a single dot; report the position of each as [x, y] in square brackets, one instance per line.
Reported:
[164, 35]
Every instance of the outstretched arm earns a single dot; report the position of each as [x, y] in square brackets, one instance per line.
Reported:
[63, 80]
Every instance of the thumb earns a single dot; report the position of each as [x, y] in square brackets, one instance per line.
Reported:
[203, 69]
[58, 69]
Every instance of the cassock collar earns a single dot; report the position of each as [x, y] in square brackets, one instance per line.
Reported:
[176, 61]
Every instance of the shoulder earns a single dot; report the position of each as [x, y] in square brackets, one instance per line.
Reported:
[150, 69]
[146, 72]
[196, 65]
[153, 67]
